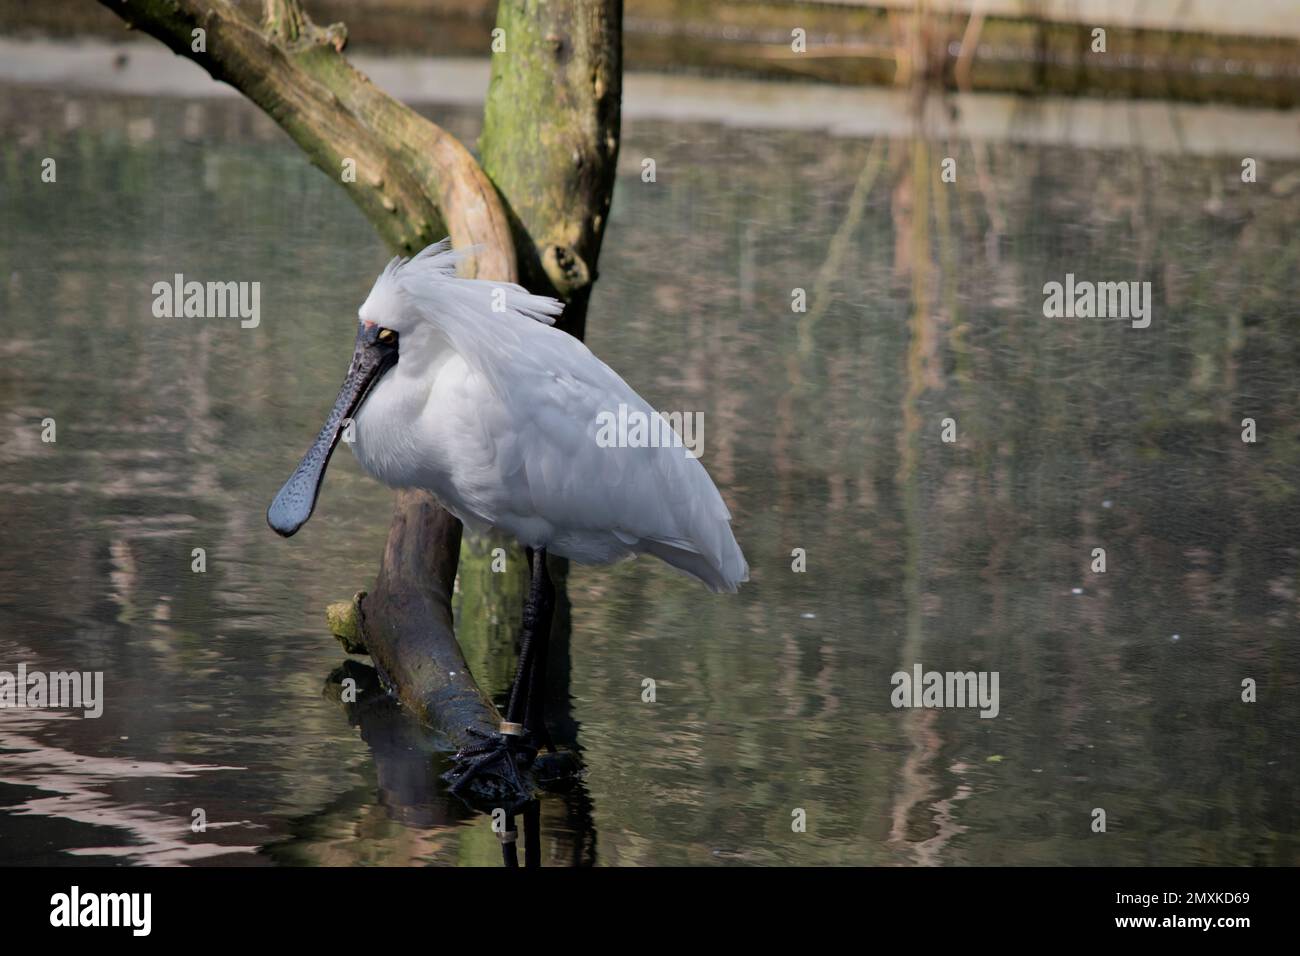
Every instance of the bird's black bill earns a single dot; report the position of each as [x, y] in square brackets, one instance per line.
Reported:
[297, 498]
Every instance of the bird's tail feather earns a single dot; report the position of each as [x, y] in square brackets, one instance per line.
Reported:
[721, 576]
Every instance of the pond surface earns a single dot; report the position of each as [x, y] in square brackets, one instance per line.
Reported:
[824, 429]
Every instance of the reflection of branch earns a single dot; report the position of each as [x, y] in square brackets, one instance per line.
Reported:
[969, 41]
[839, 246]
[912, 214]
[993, 205]
[948, 277]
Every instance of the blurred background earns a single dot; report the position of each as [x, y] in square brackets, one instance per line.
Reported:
[775, 171]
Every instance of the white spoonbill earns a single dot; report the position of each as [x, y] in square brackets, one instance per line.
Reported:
[461, 387]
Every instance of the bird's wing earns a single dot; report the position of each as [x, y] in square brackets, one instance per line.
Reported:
[555, 390]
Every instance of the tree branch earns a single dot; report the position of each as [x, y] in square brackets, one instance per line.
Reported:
[551, 136]
[407, 621]
[413, 180]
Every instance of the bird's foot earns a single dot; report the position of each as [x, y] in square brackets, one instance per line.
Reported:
[496, 769]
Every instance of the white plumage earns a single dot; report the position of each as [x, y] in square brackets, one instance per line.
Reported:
[496, 413]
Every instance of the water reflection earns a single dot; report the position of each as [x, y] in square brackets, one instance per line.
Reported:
[421, 821]
[823, 429]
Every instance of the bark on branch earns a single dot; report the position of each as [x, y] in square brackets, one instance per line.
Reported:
[551, 137]
[414, 181]
[407, 621]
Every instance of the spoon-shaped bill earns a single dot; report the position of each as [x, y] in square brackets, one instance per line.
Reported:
[296, 499]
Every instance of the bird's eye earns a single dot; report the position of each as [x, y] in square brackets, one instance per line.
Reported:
[387, 336]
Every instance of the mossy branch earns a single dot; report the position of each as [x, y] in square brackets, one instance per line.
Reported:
[413, 180]
[551, 137]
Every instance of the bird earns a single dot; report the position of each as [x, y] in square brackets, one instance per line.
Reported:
[465, 388]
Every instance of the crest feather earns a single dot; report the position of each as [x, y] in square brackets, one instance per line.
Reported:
[428, 282]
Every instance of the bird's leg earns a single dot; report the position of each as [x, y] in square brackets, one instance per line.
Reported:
[524, 729]
[506, 749]
[532, 835]
[517, 707]
[537, 635]
[509, 845]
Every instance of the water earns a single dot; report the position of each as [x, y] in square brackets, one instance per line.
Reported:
[1119, 691]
